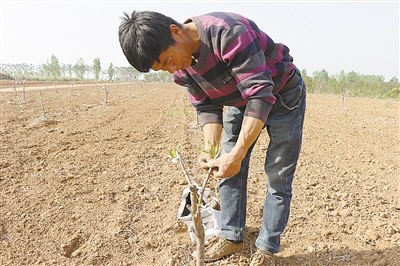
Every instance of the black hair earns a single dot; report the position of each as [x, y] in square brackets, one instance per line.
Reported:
[143, 36]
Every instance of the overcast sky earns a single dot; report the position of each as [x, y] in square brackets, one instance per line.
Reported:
[361, 36]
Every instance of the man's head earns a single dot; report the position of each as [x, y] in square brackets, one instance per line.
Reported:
[144, 36]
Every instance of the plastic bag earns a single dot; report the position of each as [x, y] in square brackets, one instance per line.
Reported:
[210, 213]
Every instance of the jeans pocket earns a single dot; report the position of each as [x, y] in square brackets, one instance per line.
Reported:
[290, 100]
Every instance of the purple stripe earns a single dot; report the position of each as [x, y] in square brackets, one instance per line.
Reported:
[252, 91]
[252, 72]
[213, 21]
[233, 48]
[263, 41]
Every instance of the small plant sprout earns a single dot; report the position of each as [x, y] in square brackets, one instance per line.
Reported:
[213, 151]
[174, 156]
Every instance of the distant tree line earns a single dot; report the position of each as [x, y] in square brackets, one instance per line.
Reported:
[351, 83]
[55, 71]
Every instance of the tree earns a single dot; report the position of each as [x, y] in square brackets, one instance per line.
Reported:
[165, 76]
[111, 72]
[304, 72]
[352, 77]
[96, 68]
[321, 79]
[126, 73]
[79, 68]
[66, 69]
[394, 80]
[342, 76]
[52, 68]
[321, 75]
[307, 80]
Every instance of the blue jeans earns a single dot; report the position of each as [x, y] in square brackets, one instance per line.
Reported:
[285, 129]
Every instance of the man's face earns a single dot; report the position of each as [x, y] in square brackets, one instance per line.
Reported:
[173, 59]
[178, 56]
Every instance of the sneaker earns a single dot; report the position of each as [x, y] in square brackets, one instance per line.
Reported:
[262, 258]
[220, 248]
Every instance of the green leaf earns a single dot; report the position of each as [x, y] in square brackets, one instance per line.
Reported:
[213, 151]
[172, 153]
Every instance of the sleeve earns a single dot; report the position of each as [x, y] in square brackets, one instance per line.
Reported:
[242, 54]
[207, 111]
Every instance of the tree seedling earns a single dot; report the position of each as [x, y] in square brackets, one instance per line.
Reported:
[195, 208]
[42, 104]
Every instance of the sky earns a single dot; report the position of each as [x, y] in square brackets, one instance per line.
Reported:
[361, 36]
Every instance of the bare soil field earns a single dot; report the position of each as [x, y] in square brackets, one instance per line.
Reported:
[90, 183]
[7, 85]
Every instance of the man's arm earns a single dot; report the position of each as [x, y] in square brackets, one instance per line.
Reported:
[212, 134]
[229, 164]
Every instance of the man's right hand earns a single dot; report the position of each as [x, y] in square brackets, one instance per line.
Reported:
[203, 159]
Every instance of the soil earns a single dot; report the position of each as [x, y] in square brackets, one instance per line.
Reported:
[89, 182]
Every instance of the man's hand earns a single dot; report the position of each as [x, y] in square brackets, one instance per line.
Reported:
[229, 164]
[225, 166]
[203, 160]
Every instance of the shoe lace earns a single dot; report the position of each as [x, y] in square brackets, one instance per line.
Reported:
[260, 258]
[257, 258]
[212, 241]
[218, 243]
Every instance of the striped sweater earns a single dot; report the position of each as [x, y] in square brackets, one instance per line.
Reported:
[239, 65]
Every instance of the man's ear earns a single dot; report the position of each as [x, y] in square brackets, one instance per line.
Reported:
[175, 30]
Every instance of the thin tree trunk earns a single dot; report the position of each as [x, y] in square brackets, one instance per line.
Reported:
[23, 91]
[197, 225]
[42, 104]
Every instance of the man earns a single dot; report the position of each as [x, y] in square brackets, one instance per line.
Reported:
[224, 59]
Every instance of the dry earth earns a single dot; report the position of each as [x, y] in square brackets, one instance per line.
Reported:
[91, 183]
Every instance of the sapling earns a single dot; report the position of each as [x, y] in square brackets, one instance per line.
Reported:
[14, 84]
[42, 104]
[106, 92]
[23, 89]
[198, 228]
[196, 200]
[72, 88]
[344, 94]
